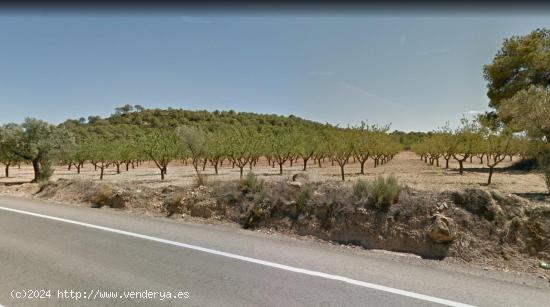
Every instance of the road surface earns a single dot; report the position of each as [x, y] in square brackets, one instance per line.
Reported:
[81, 255]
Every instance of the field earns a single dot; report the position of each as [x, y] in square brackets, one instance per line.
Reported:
[406, 166]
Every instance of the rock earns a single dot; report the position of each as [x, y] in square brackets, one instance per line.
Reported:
[442, 229]
[295, 184]
[301, 177]
[544, 265]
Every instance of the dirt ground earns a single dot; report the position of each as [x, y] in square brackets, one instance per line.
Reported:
[406, 166]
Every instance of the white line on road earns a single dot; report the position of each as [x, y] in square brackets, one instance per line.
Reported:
[252, 260]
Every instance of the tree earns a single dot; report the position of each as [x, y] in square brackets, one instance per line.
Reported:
[242, 142]
[100, 152]
[309, 143]
[216, 148]
[282, 145]
[126, 109]
[497, 146]
[161, 146]
[521, 62]
[40, 143]
[466, 139]
[341, 148]
[7, 145]
[529, 111]
[194, 141]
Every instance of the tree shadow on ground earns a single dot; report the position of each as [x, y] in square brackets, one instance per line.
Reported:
[7, 184]
[535, 196]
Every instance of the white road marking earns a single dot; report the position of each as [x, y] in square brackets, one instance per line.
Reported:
[253, 260]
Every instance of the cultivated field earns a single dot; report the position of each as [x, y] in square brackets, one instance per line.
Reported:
[406, 166]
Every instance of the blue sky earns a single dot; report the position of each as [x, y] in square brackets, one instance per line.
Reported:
[411, 70]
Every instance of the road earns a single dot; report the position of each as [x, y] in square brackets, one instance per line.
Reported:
[95, 252]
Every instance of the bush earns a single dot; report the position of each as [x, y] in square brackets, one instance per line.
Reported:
[361, 189]
[305, 194]
[385, 191]
[251, 184]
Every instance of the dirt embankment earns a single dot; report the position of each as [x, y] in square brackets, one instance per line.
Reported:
[481, 227]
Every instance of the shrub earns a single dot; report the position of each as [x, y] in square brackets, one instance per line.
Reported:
[251, 184]
[385, 191]
[361, 189]
[305, 195]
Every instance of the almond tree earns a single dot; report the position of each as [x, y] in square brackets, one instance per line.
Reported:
[497, 147]
[161, 146]
[193, 141]
[467, 138]
[340, 148]
[242, 141]
[101, 154]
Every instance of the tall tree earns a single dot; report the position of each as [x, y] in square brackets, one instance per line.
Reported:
[521, 62]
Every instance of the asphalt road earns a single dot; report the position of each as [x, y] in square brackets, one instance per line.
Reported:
[99, 252]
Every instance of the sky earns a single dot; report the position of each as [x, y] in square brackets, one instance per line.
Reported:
[416, 71]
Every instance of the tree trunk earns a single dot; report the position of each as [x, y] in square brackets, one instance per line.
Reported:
[7, 170]
[490, 174]
[305, 163]
[447, 163]
[118, 168]
[101, 174]
[241, 167]
[162, 173]
[37, 170]
[363, 166]
[280, 168]
[216, 168]
[342, 172]
[78, 166]
[461, 167]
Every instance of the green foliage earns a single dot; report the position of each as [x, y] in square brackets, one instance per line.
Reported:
[38, 142]
[521, 62]
[384, 191]
[251, 184]
[529, 110]
[306, 192]
[361, 189]
[161, 146]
